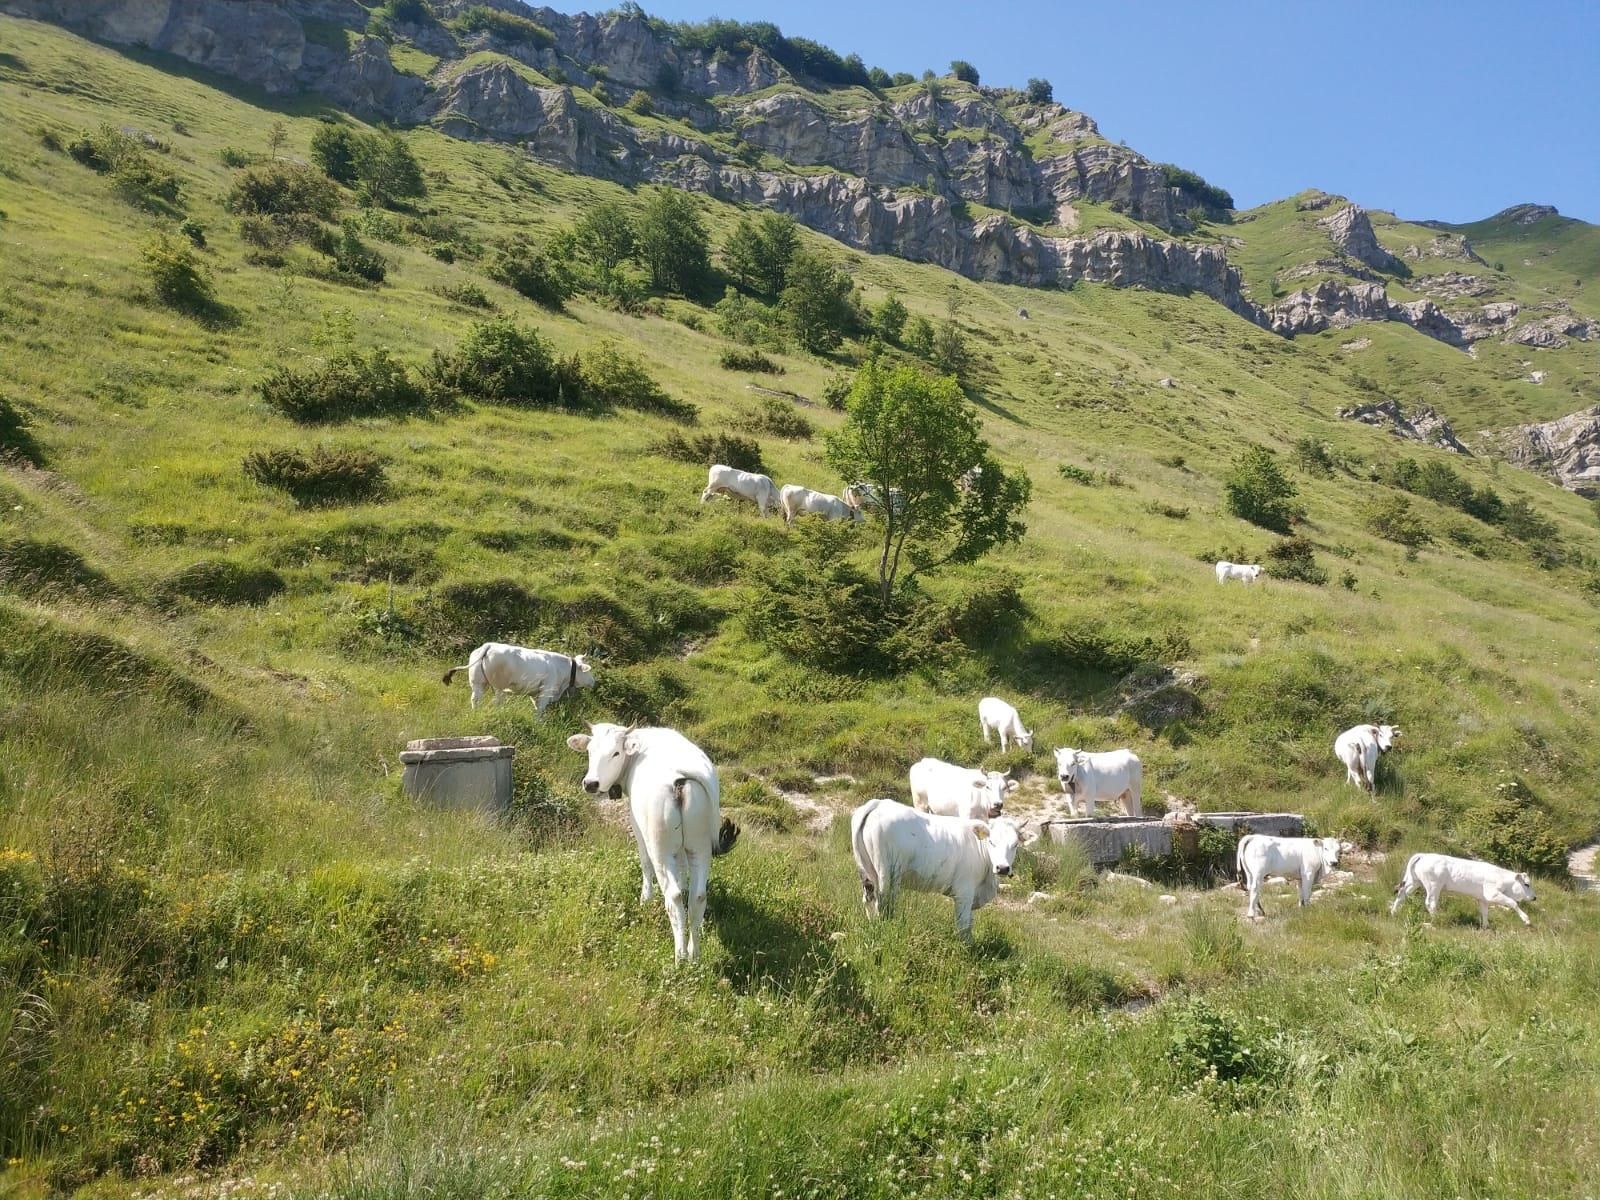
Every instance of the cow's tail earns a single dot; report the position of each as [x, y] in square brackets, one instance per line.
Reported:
[858, 846]
[450, 674]
[727, 831]
[727, 835]
[1409, 875]
[1238, 858]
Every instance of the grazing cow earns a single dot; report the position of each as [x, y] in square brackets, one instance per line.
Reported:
[969, 479]
[1483, 882]
[1243, 572]
[897, 847]
[994, 713]
[675, 806]
[1109, 775]
[948, 790]
[745, 485]
[797, 500]
[1358, 748]
[545, 675]
[1306, 859]
[865, 495]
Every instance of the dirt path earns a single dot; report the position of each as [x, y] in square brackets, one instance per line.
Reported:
[1581, 862]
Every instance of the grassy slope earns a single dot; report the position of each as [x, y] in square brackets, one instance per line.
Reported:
[1555, 254]
[476, 1001]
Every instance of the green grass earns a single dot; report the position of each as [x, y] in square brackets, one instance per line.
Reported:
[200, 814]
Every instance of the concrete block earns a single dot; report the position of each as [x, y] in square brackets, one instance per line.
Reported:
[459, 773]
[1104, 839]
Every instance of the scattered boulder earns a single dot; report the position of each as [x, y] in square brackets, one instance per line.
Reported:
[1445, 245]
[1313, 200]
[1551, 333]
[1567, 449]
[1166, 381]
[1422, 424]
[1450, 285]
[1534, 377]
[1358, 344]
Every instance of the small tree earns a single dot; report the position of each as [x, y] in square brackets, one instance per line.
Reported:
[277, 138]
[759, 250]
[673, 242]
[816, 303]
[333, 149]
[964, 71]
[604, 237]
[913, 437]
[889, 319]
[1258, 491]
[1040, 91]
[919, 337]
[539, 276]
[176, 274]
[1392, 517]
[641, 103]
[388, 171]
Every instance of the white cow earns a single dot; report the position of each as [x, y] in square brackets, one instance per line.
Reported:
[746, 485]
[1244, 572]
[948, 790]
[865, 495]
[675, 805]
[1483, 882]
[1087, 778]
[1305, 859]
[896, 846]
[545, 675]
[994, 713]
[1358, 748]
[797, 501]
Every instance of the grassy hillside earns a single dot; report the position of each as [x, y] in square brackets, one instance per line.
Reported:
[1554, 253]
[231, 947]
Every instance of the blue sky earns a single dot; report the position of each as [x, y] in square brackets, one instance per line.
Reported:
[1432, 109]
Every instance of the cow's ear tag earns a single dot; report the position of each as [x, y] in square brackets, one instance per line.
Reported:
[981, 831]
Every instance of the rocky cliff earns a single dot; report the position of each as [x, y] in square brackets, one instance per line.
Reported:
[1567, 449]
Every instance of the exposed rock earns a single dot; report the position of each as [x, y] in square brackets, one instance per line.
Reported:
[1526, 214]
[1156, 696]
[1489, 321]
[1450, 285]
[1422, 424]
[1350, 230]
[1534, 377]
[1314, 200]
[1166, 381]
[367, 82]
[1567, 449]
[1329, 304]
[1446, 245]
[1358, 344]
[1551, 333]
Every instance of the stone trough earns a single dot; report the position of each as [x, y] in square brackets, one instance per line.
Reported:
[459, 772]
[1104, 839]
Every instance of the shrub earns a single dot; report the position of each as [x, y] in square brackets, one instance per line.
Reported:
[1208, 195]
[777, 417]
[735, 359]
[347, 385]
[1292, 558]
[282, 189]
[1173, 512]
[749, 322]
[1314, 456]
[1074, 474]
[1512, 830]
[1175, 461]
[1208, 1047]
[134, 176]
[466, 294]
[177, 275]
[16, 443]
[836, 391]
[641, 103]
[195, 232]
[1258, 491]
[508, 27]
[234, 158]
[353, 258]
[333, 149]
[709, 449]
[321, 477]
[964, 71]
[387, 170]
[889, 319]
[1391, 517]
[1089, 647]
[528, 269]
[501, 362]
[614, 378]
[40, 570]
[1040, 91]
[219, 582]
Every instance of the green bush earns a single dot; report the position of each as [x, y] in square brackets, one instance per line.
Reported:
[709, 449]
[528, 269]
[1074, 474]
[16, 442]
[778, 417]
[466, 294]
[1314, 455]
[735, 359]
[1207, 1047]
[1040, 91]
[320, 477]
[964, 71]
[641, 103]
[177, 275]
[194, 231]
[42, 570]
[1086, 646]
[280, 189]
[1293, 558]
[836, 392]
[503, 363]
[235, 158]
[134, 176]
[219, 582]
[1512, 830]
[348, 385]
[614, 378]
[1258, 491]
[1392, 517]
[333, 149]
[508, 27]
[1212, 197]
[353, 258]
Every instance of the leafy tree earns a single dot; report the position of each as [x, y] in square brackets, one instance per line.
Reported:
[333, 149]
[604, 236]
[901, 78]
[673, 242]
[889, 319]
[1392, 517]
[1040, 91]
[1258, 491]
[879, 78]
[913, 437]
[641, 103]
[949, 352]
[919, 337]
[527, 268]
[964, 71]
[176, 274]
[277, 138]
[816, 303]
[388, 171]
[759, 250]
[1208, 194]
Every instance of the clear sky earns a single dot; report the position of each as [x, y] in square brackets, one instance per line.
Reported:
[1443, 109]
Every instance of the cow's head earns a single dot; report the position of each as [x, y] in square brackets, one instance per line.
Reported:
[1024, 739]
[609, 748]
[585, 676]
[1522, 888]
[1068, 763]
[1330, 847]
[1252, 571]
[991, 787]
[1001, 837]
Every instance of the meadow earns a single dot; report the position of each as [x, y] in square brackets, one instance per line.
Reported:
[235, 961]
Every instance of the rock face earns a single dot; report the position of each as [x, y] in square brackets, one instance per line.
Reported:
[1446, 245]
[1551, 333]
[1350, 230]
[1421, 425]
[1451, 285]
[1526, 214]
[1568, 449]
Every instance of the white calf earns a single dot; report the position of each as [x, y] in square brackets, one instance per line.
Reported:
[797, 501]
[1358, 748]
[1109, 775]
[1305, 859]
[865, 495]
[951, 791]
[1243, 572]
[675, 805]
[745, 485]
[994, 713]
[896, 846]
[1483, 882]
[545, 675]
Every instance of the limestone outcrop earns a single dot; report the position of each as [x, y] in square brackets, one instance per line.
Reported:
[1567, 449]
[1422, 424]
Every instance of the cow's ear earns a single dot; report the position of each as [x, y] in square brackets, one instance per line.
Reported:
[631, 744]
[1522, 878]
[980, 830]
[1011, 785]
[579, 742]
